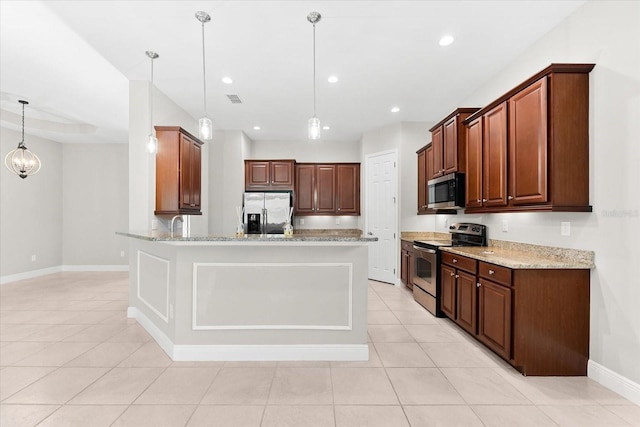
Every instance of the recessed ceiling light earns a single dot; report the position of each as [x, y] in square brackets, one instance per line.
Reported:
[395, 109]
[446, 40]
[332, 79]
[256, 128]
[326, 127]
[227, 80]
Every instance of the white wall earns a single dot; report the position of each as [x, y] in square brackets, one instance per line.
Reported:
[30, 208]
[607, 34]
[226, 166]
[142, 178]
[94, 199]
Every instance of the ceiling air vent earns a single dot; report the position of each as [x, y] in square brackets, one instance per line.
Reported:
[235, 99]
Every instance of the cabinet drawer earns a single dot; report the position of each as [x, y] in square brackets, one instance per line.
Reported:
[495, 273]
[407, 245]
[457, 261]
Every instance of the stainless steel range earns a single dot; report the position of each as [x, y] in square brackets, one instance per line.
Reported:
[426, 272]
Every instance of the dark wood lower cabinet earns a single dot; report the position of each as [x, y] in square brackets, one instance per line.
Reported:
[448, 291]
[407, 260]
[536, 319]
[466, 302]
[494, 317]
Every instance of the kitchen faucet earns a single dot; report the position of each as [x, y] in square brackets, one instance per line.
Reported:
[173, 220]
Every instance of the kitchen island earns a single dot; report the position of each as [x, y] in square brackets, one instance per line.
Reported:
[257, 297]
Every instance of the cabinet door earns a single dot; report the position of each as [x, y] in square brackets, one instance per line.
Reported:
[437, 142]
[450, 146]
[403, 266]
[348, 189]
[528, 145]
[448, 291]
[305, 184]
[422, 179]
[474, 164]
[325, 189]
[189, 173]
[411, 266]
[494, 317]
[466, 301]
[196, 174]
[494, 157]
[282, 174]
[256, 175]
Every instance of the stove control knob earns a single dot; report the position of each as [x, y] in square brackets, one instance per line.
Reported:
[452, 227]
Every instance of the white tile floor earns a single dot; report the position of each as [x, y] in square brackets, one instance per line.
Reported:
[70, 357]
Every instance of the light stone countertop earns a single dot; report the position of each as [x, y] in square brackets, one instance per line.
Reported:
[160, 236]
[524, 256]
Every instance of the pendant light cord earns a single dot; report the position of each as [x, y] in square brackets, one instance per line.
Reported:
[21, 145]
[314, 70]
[204, 75]
[151, 102]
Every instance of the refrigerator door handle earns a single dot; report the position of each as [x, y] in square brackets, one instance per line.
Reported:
[264, 221]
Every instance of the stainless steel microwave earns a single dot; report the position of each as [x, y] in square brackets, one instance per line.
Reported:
[446, 192]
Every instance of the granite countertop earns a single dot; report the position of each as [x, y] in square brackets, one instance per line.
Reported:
[524, 256]
[159, 236]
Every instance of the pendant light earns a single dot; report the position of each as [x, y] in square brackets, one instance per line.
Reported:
[314, 122]
[21, 161]
[152, 143]
[205, 126]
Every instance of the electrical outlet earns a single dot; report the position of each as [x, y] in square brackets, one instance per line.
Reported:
[565, 229]
[505, 225]
[337, 221]
[121, 253]
[301, 221]
[33, 258]
[154, 224]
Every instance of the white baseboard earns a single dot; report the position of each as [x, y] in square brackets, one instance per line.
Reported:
[614, 381]
[9, 278]
[124, 267]
[201, 353]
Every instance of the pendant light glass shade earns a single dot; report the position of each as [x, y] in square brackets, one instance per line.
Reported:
[205, 125]
[314, 122]
[21, 161]
[152, 141]
[314, 128]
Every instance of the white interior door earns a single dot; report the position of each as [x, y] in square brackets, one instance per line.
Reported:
[381, 215]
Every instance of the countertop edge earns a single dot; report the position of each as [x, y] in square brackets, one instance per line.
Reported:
[506, 259]
[247, 239]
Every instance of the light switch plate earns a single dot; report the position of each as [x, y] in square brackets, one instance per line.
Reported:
[565, 228]
[505, 225]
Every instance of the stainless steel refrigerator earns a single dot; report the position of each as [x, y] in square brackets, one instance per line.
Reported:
[266, 212]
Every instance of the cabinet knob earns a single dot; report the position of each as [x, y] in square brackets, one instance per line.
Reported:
[478, 285]
[455, 261]
[457, 276]
[478, 201]
[452, 274]
[484, 200]
[491, 272]
[509, 197]
[338, 208]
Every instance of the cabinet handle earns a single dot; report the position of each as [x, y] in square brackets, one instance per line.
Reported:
[452, 274]
[491, 272]
[478, 285]
[509, 197]
[457, 276]
[455, 261]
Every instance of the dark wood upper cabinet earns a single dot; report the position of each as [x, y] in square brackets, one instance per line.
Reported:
[448, 138]
[268, 175]
[528, 145]
[348, 189]
[425, 155]
[536, 144]
[327, 189]
[474, 164]
[494, 157]
[178, 172]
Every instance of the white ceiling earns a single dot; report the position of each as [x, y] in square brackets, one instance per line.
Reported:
[73, 60]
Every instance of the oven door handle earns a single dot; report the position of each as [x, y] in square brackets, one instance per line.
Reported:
[431, 251]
